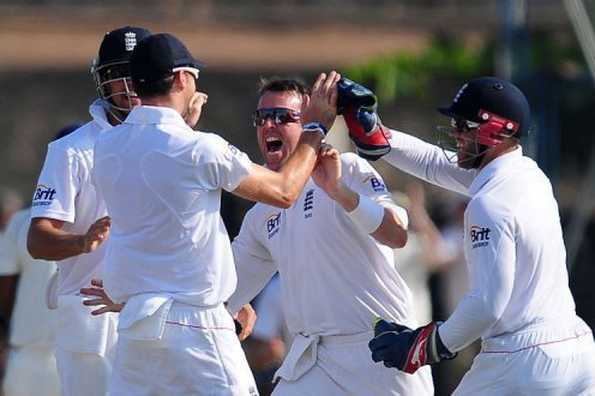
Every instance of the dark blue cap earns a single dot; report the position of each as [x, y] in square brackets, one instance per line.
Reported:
[158, 55]
[118, 44]
[494, 95]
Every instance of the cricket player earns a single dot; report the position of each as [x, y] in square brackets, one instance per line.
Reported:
[69, 222]
[333, 251]
[169, 257]
[32, 323]
[518, 301]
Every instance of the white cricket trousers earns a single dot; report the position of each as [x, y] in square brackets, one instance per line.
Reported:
[84, 347]
[198, 353]
[527, 364]
[31, 371]
[344, 367]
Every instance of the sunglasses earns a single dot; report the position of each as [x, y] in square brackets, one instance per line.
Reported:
[462, 125]
[278, 115]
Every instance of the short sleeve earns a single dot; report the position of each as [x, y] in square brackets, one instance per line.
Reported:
[220, 164]
[58, 186]
[362, 178]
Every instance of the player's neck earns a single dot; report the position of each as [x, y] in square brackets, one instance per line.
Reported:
[498, 151]
[165, 101]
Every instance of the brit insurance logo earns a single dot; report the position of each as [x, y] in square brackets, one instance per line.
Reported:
[273, 223]
[376, 183]
[480, 236]
[43, 195]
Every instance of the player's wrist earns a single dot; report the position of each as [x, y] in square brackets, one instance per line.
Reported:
[441, 350]
[82, 244]
[342, 194]
[316, 127]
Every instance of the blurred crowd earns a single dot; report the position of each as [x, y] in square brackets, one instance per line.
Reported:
[431, 263]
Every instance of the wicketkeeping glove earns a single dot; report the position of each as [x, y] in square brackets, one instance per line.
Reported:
[358, 105]
[406, 349]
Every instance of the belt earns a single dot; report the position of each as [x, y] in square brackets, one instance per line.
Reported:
[303, 353]
[535, 336]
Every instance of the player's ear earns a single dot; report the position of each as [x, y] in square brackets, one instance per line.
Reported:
[305, 102]
[175, 87]
[180, 81]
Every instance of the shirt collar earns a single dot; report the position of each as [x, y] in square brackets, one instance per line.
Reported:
[154, 115]
[495, 167]
[98, 110]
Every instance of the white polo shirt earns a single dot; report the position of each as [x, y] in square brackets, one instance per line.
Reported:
[162, 184]
[513, 244]
[31, 322]
[64, 192]
[335, 278]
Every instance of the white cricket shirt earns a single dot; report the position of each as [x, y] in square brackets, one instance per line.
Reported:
[335, 279]
[64, 192]
[32, 321]
[513, 245]
[162, 184]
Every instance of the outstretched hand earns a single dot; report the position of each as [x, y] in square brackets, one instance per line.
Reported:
[321, 106]
[102, 298]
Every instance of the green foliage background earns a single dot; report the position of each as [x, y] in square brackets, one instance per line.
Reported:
[407, 74]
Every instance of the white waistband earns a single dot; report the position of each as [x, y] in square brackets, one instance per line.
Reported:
[303, 352]
[144, 317]
[535, 335]
[341, 339]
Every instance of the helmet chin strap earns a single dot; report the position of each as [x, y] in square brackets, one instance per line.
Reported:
[476, 164]
[475, 155]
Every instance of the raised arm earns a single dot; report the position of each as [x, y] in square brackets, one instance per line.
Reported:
[428, 162]
[373, 141]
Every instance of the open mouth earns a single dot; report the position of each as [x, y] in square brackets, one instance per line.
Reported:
[273, 144]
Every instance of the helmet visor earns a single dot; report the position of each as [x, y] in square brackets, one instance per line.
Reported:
[459, 142]
[114, 80]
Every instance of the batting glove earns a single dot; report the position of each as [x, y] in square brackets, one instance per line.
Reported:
[406, 349]
[358, 105]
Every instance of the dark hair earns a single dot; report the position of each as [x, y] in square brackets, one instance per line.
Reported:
[150, 89]
[276, 84]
